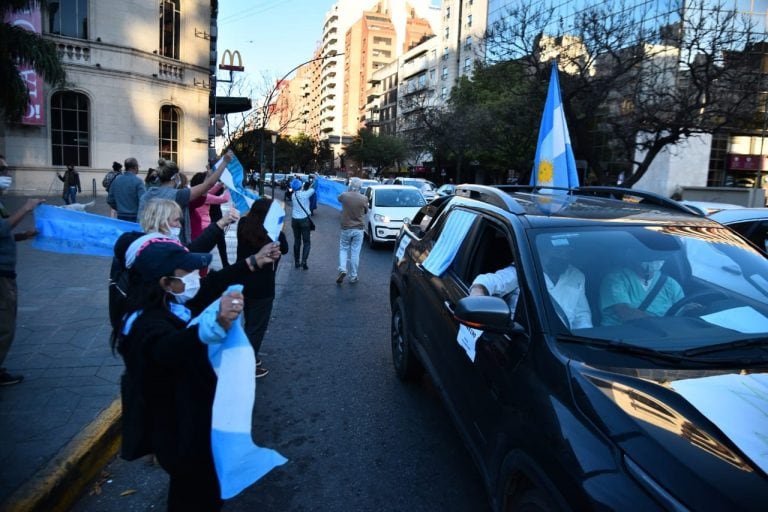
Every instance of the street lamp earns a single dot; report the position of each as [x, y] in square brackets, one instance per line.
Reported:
[274, 141]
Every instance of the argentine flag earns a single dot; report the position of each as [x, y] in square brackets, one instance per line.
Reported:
[554, 164]
[232, 177]
[239, 461]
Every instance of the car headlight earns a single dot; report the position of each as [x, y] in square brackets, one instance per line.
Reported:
[381, 218]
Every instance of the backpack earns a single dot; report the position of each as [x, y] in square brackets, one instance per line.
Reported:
[109, 178]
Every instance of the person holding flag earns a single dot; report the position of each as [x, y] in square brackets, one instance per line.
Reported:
[554, 164]
[262, 224]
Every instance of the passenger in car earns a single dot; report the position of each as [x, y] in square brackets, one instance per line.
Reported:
[565, 284]
[639, 290]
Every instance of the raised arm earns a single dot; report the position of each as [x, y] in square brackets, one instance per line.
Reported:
[201, 188]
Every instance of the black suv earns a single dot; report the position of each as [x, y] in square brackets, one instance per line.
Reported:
[570, 392]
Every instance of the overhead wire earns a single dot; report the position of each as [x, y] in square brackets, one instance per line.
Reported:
[252, 11]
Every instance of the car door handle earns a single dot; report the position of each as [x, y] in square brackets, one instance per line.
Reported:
[449, 306]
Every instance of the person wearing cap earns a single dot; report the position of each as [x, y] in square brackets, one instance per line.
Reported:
[169, 358]
[300, 221]
[126, 190]
[170, 181]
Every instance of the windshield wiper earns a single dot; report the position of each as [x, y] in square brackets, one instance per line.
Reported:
[687, 356]
[627, 348]
[730, 345]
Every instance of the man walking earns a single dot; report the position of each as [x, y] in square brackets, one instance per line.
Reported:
[354, 206]
[126, 191]
[8, 290]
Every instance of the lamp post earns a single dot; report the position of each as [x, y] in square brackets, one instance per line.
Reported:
[274, 141]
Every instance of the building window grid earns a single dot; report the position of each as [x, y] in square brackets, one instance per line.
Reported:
[170, 28]
[70, 132]
[168, 137]
[68, 18]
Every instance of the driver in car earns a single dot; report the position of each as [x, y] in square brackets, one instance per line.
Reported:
[639, 290]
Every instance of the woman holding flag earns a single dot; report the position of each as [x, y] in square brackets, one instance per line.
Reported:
[259, 289]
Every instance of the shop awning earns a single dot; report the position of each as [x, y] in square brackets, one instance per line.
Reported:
[231, 104]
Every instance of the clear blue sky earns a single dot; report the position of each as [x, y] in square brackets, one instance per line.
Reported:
[272, 36]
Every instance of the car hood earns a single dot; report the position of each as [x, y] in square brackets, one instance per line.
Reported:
[397, 213]
[687, 430]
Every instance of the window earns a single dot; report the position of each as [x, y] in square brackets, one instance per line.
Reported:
[169, 133]
[70, 135]
[468, 42]
[448, 12]
[445, 73]
[170, 28]
[444, 92]
[422, 80]
[469, 20]
[68, 18]
[447, 33]
[467, 65]
[445, 53]
[432, 75]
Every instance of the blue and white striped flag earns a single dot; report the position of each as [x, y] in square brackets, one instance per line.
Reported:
[554, 164]
[239, 461]
[232, 177]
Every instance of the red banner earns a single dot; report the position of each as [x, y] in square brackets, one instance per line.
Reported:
[30, 19]
[747, 162]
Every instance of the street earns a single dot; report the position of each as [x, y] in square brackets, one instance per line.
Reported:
[355, 436]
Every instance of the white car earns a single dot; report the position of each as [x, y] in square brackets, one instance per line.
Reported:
[426, 187]
[751, 223]
[389, 206]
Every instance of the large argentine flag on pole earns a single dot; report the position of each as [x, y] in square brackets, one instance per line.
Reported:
[554, 164]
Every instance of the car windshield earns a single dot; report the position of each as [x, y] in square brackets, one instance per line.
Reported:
[663, 287]
[394, 198]
[424, 186]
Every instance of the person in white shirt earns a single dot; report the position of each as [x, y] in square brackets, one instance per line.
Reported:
[565, 284]
[300, 221]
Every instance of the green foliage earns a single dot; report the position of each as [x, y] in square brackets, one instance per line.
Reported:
[376, 150]
[21, 47]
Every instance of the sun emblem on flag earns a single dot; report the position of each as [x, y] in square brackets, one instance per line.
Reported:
[545, 171]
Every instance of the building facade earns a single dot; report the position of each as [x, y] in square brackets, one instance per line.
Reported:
[137, 86]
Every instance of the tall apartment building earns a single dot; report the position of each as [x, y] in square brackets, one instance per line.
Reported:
[703, 160]
[138, 84]
[462, 27]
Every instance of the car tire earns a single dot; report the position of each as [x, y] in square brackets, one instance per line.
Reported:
[531, 499]
[371, 242]
[407, 366]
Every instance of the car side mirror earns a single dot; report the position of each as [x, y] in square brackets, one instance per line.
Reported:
[485, 313]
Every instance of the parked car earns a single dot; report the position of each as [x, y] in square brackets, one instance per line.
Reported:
[751, 223]
[447, 189]
[654, 413]
[708, 207]
[426, 187]
[389, 206]
[365, 183]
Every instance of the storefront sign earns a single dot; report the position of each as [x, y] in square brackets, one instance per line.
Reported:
[30, 19]
[747, 162]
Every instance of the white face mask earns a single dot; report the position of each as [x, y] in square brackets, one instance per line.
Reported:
[5, 182]
[175, 232]
[649, 268]
[191, 287]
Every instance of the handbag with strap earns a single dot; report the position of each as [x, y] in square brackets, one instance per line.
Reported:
[311, 224]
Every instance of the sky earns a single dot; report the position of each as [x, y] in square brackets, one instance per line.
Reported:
[272, 36]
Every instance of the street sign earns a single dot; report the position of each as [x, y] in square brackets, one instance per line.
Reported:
[334, 139]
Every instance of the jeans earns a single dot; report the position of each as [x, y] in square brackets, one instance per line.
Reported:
[350, 241]
[257, 313]
[300, 235]
[70, 195]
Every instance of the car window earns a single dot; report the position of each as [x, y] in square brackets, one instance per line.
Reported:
[755, 231]
[393, 198]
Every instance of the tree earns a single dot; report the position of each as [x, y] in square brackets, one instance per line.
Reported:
[631, 88]
[19, 46]
[377, 150]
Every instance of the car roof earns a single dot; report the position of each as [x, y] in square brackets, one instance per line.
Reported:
[395, 187]
[544, 207]
[739, 215]
[709, 207]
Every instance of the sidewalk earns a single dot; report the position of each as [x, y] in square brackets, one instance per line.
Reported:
[59, 426]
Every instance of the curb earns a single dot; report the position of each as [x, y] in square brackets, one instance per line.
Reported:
[58, 485]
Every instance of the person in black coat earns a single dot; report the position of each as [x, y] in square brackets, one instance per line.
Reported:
[259, 286]
[170, 359]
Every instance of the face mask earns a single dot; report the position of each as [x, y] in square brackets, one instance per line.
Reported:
[191, 286]
[651, 267]
[5, 182]
[175, 233]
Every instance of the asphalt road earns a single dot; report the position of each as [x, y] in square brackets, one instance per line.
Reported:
[355, 436]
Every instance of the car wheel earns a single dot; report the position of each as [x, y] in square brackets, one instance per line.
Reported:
[407, 366]
[531, 499]
[371, 242]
